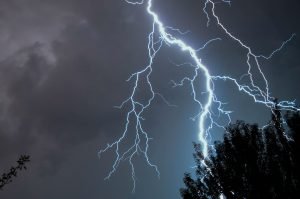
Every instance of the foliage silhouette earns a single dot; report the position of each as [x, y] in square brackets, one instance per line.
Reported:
[7, 177]
[249, 163]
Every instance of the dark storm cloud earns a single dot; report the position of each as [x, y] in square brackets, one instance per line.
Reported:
[62, 70]
[54, 76]
[63, 66]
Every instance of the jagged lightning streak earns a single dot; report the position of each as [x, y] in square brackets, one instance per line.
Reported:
[205, 117]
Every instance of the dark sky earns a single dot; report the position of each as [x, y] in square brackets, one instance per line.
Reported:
[63, 66]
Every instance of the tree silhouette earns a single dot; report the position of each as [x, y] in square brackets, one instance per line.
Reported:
[249, 163]
[7, 177]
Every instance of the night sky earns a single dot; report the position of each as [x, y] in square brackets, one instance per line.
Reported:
[63, 68]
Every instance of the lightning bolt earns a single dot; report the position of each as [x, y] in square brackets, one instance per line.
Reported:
[159, 35]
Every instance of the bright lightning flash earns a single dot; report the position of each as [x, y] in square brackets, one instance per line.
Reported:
[205, 118]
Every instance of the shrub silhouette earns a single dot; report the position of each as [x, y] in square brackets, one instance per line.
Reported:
[7, 177]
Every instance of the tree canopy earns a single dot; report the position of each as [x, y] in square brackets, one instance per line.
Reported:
[250, 162]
